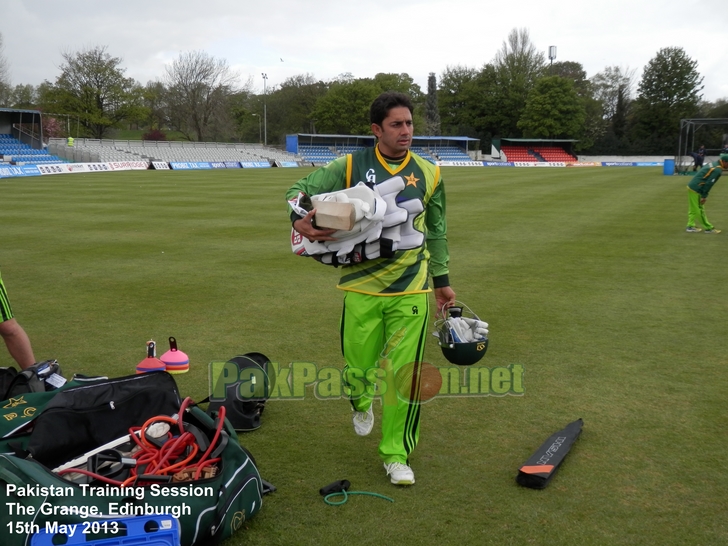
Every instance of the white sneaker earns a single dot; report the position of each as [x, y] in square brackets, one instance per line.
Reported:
[400, 474]
[363, 421]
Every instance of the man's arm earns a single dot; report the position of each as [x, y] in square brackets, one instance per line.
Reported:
[332, 177]
[436, 224]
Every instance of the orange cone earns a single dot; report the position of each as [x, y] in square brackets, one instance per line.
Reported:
[151, 363]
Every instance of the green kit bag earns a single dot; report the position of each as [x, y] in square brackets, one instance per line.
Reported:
[208, 509]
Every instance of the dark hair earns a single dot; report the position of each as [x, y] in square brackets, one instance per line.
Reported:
[385, 102]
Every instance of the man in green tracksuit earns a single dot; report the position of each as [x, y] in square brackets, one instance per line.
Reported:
[699, 188]
[385, 317]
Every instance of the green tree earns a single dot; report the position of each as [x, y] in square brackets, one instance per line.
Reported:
[290, 108]
[432, 115]
[92, 88]
[611, 86]
[517, 67]
[23, 96]
[594, 125]
[402, 83]
[553, 110]
[345, 108]
[670, 90]
[456, 97]
[572, 71]
[154, 99]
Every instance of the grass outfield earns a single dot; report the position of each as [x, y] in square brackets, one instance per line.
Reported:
[586, 276]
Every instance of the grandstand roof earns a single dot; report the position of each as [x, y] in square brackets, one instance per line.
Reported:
[292, 141]
[20, 111]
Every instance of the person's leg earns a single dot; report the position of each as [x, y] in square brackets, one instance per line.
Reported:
[362, 335]
[17, 342]
[406, 324]
[703, 218]
[693, 207]
[13, 334]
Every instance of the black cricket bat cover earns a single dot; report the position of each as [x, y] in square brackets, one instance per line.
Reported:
[541, 467]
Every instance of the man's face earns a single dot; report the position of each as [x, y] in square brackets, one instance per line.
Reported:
[395, 132]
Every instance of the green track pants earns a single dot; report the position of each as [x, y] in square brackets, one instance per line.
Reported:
[696, 210]
[381, 336]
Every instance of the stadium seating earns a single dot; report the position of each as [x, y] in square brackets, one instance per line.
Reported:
[15, 152]
[450, 153]
[537, 154]
[518, 153]
[316, 154]
[94, 150]
[419, 150]
[554, 154]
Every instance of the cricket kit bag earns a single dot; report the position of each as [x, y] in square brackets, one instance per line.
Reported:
[19, 411]
[537, 472]
[111, 459]
[40, 377]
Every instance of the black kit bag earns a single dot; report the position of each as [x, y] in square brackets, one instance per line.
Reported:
[82, 418]
[40, 377]
[537, 472]
[19, 412]
[242, 385]
[209, 509]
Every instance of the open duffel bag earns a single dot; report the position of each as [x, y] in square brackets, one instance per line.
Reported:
[210, 484]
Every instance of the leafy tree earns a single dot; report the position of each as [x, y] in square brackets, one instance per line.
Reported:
[401, 83]
[517, 67]
[198, 90]
[611, 86]
[668, 92]
[456, 96]
[23, 96]
[572, 71]
[594, 125]
[619, 118]
[290, 108]
[432, 115]
[718, 109]
[154, 99]
[612, 89]
[553, 110]
[92, 88]
[345, 108]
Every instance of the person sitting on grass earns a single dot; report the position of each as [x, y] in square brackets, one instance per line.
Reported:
[699, 188]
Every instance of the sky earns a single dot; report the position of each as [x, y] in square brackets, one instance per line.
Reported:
[326, 38]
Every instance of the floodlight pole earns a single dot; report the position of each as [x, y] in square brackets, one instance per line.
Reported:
[265, 109]
[552, 56]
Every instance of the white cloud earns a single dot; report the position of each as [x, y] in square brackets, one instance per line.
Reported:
[330, 37]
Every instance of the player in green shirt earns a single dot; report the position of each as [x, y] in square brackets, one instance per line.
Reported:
[384, 323]
[699, 188]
